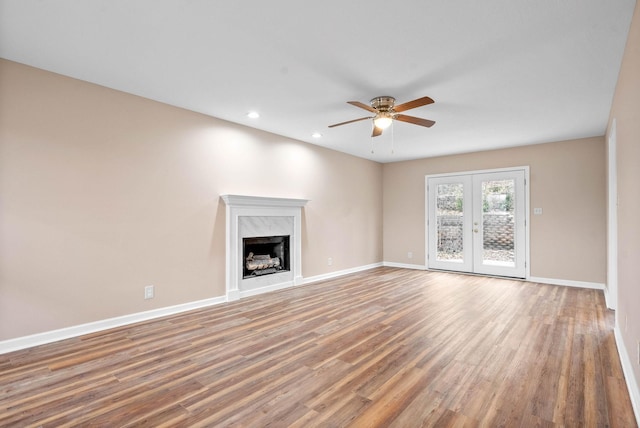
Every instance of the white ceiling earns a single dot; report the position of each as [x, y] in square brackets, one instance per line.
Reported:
[502, 72]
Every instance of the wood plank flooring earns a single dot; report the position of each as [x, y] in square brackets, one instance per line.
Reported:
[382, 348]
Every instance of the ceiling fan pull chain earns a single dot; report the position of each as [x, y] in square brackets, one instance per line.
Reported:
[393, 140]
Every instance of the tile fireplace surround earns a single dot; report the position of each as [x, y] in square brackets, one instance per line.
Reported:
[254, 216]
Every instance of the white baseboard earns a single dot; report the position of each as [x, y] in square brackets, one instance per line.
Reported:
[339, 273]
[567, 282]
[79, 330]
[404, 265]
[611, 303]
[627, 369]
[92, 327]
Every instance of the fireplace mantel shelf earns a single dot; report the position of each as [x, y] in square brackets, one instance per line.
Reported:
[261, 201]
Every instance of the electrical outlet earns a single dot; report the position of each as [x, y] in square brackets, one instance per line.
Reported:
[410, 255]
[148, 292]
[329, 261]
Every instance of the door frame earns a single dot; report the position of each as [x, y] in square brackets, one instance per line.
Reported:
[611, 288]
[527, 210]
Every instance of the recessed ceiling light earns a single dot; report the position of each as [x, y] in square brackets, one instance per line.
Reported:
[316, 135]
[253, 115]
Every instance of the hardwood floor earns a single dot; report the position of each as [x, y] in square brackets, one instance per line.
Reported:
[385, 347]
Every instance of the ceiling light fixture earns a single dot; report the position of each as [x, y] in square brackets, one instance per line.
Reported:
[253, 115]
[316, 135]
[382, 120]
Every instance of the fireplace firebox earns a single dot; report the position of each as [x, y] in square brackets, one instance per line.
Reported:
[265, 255]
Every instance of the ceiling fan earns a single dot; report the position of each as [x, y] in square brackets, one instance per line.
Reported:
[386, 112]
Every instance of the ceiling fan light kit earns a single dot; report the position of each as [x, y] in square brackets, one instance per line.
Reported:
[385, 112]
[382, 120]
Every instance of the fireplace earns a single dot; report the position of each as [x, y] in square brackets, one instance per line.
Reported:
[265, 255]
[272, 227]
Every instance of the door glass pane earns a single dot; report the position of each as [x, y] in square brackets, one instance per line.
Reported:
[449, 222]
[498, 222]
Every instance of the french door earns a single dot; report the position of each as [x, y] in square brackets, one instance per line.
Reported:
[476, 223]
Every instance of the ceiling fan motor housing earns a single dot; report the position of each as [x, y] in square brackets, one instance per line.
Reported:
[384, 103]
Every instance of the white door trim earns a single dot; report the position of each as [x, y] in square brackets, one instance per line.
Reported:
[611, 288]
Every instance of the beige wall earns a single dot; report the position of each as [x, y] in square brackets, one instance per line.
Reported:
[567, 180]
[626, 111]
[103, 193]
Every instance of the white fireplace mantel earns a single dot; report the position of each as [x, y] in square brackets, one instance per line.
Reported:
[238, 206]
[261, 201]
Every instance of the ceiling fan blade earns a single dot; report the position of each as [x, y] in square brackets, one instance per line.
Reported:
[413, 104]
[350, 121]
[362, 105]
[376, 131]
[415, 120]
